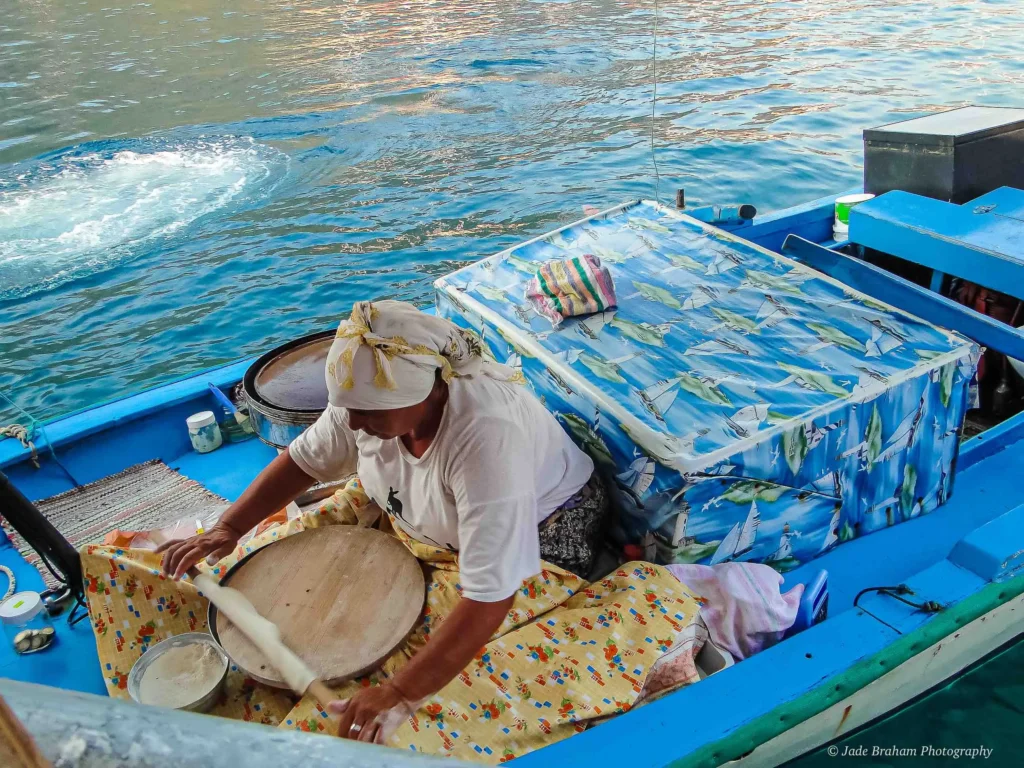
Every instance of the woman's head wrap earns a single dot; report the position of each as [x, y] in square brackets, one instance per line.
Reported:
[386, 355]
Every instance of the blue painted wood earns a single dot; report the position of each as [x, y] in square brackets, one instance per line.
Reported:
[968, 241]
[157, 435]
[41, 483]
[228, 470]
[832, 244]
[994, 551]
[944, 583]
[688, 718]
[101, 441]
[1005, 201]
[812, 220]
[671, 727]
[991, 442]
[71, 662]
[76, 426]
[908, 296]
[813, 603]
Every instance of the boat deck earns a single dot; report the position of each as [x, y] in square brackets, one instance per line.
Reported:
[84, 445]
[751, 698]
[986, 487]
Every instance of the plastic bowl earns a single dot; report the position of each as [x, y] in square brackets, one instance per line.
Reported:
[205, 702]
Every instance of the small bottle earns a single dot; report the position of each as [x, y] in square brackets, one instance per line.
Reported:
[26, 623]
[204, 432]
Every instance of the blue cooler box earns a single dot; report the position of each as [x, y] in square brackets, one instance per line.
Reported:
[742, 406]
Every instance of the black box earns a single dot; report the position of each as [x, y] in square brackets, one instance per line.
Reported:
[956, 156]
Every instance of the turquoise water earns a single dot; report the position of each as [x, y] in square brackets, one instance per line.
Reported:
[182, 184]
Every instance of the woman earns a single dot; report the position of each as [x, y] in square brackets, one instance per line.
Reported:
[460, 455]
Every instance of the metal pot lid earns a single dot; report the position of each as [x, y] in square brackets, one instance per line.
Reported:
[295, 378]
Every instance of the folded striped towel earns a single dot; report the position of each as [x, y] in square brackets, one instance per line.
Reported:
[571, 287]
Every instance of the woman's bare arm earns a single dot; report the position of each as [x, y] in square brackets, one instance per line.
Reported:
[277, 485]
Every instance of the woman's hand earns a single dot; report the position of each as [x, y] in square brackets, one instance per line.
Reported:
[370, 713]
[373, 714]
[273, 488]
[179, 556]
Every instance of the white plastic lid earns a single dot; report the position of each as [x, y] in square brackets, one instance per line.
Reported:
[201, 419]
[20, 608]
[854, 199]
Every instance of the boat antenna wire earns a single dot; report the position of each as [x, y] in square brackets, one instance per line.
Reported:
[654, 104]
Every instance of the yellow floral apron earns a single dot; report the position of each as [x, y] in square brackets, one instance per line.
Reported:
[568, 652]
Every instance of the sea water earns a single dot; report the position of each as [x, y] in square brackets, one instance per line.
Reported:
[185, 184]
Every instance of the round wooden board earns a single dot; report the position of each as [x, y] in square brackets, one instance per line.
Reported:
[343, 597]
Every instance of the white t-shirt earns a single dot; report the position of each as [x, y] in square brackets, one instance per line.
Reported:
[498, 466]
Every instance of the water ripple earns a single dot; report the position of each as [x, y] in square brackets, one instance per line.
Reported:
[81, 212]
[366, 148]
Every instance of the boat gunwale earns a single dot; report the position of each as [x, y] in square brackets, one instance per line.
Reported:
[748, 735]
[74, 426]
[859, 674]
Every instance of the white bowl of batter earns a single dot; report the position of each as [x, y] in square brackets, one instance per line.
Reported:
[182, 672]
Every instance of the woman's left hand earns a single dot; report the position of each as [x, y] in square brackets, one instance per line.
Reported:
[374, 714]
[365, 715]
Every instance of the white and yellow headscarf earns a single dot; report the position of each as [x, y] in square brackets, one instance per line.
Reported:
[386, 354]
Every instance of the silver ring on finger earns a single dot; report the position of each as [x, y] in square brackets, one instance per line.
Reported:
[355, 728]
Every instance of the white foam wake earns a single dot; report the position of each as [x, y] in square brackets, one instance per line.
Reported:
[83, 213]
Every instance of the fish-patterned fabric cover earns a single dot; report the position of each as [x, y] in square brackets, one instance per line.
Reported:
[747, 407]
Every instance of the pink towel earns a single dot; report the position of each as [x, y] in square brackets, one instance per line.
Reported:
[741, 604]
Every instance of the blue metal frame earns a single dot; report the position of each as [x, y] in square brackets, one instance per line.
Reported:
[908, 296]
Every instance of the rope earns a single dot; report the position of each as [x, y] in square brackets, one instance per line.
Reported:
[654, 104]
[928, 606]
[13, 582]
[23, 436]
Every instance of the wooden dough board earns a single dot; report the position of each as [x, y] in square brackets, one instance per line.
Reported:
[343, 597]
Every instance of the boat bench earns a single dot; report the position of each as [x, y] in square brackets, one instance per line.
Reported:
[982, 240]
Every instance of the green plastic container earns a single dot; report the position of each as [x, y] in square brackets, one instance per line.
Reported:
[845, 203]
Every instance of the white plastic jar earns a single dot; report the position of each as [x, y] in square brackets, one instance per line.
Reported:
[844, 204]
[24, 617]
[204, 432]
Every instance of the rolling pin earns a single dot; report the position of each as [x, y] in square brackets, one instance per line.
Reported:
[264, 635]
